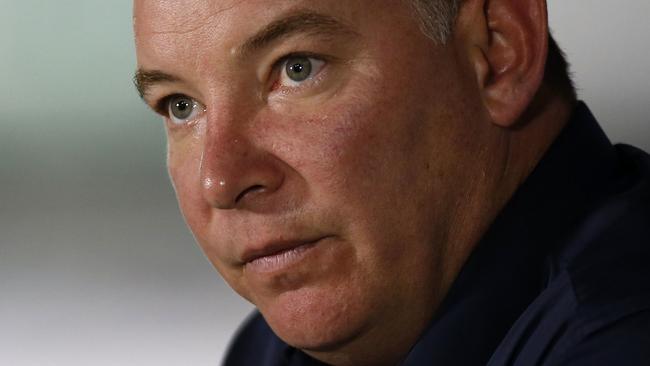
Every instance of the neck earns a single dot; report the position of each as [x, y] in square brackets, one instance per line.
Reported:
[532, 136]
[521, 148]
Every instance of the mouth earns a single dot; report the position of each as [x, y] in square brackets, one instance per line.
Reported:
[279, 255]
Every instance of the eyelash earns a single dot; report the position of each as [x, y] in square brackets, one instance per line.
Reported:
[280, 63]
[162, 105]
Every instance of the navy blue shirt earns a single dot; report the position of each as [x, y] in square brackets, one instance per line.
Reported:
[562, 277]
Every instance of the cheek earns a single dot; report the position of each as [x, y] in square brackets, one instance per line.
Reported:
[183, 164]
[183, 161]
[359, 160]
[339, 146]
[371, 153]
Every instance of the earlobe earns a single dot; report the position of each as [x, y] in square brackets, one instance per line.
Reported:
[508, 54]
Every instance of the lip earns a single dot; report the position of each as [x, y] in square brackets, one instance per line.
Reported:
[277, 255]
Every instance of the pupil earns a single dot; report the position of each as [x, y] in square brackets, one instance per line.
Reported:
[182, 105]
[298, 68]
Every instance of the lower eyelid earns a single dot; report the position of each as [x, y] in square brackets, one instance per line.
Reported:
[179, 126]
[309, 83]
[314, 79]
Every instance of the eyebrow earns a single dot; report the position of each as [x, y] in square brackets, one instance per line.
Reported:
[145, 79]
[294, 23]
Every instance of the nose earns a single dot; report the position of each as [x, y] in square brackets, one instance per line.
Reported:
[236, 174]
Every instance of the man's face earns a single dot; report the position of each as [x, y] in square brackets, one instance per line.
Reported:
[325, 166]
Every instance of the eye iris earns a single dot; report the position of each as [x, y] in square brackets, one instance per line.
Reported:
[181, 108]
[298, 68]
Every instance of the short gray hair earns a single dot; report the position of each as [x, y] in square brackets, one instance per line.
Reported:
[436, 17]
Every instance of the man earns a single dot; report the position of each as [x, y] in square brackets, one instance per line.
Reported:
[400, 182]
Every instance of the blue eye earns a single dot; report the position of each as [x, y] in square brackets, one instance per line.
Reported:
[182, 109]
[297, 69]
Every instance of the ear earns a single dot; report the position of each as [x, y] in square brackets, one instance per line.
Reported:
[507, 45]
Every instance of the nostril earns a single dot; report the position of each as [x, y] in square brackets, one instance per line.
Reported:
[249, 190]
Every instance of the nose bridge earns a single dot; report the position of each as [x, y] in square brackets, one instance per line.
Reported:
[234, 167]
[222, 150]
[224, 129]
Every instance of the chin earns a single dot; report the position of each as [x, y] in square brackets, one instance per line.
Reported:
[317, 320]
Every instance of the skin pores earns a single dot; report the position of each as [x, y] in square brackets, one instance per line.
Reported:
[352, 187]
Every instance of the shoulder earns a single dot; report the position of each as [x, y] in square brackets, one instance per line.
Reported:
[610, 320]
[621, 341]
[595, 306]
[593, 315]
[610, 280]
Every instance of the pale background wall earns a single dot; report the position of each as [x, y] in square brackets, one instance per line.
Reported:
[96, 266]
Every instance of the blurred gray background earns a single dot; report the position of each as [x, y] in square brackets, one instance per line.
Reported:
[96, 265]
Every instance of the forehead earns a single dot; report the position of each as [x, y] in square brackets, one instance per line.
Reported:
[153, 17]
[227, 21]
[195, 38]
[188, 14]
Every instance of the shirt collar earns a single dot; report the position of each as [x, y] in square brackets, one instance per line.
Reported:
[514, 260]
